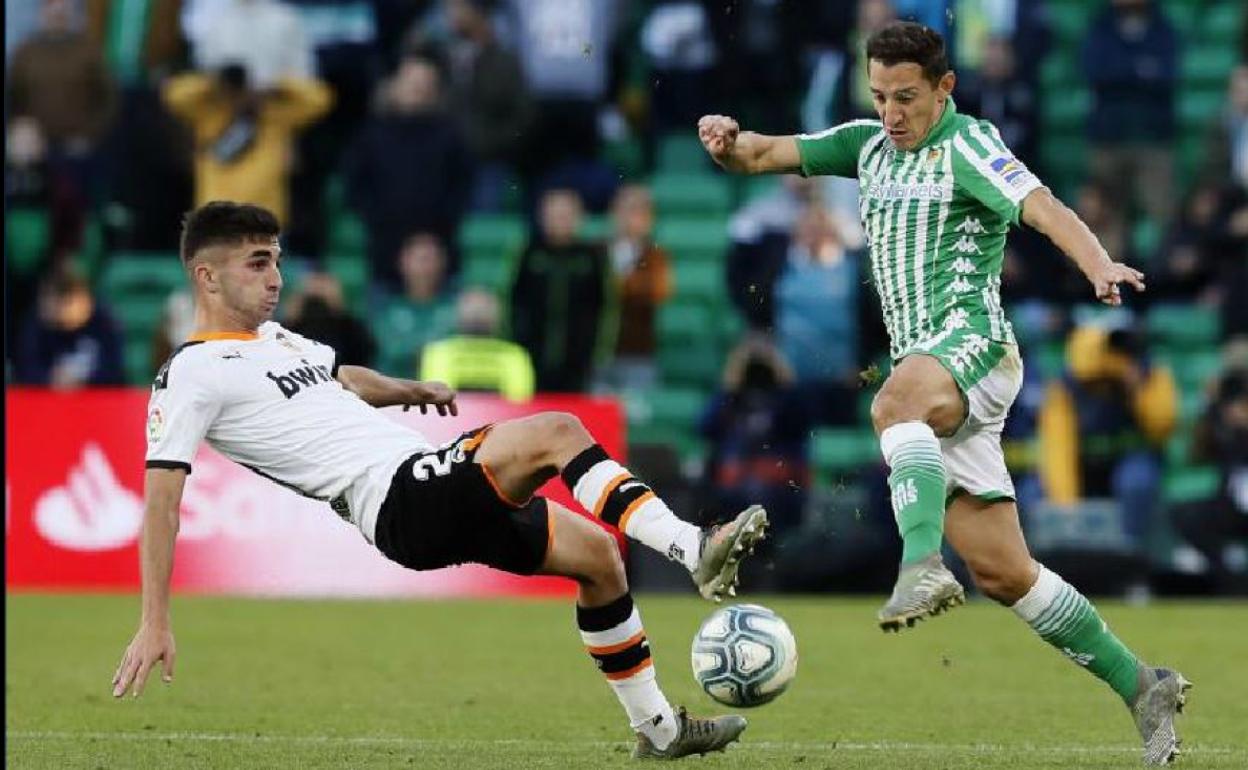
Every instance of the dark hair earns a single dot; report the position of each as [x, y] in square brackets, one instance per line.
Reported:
[908, 41]
[224, 222]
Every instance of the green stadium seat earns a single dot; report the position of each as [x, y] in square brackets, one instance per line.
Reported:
[496, 236]
[1208, 65]
[596, 227]
[693, 238]
[493, 274]
[1059, 73]
[141, 274]
[696, 363]
[1223, 22]
[843, 450]
[700, 280]
[353, 271]
[1190, 484]
[347, 234]
[678, 406]
[136, 358]
[1184, 326]
[1065, 111]
[1195, 369]
[684, 193]
[1198, 108]
[758, 185]
[626, 156]
[1184, 16]
[27, 235]
[1070, 20]
[679, 321]
[682, 153]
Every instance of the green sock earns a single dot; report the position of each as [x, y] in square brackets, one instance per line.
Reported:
[1064, 618]
[917, 482]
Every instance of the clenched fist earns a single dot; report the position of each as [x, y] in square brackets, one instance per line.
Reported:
[718, 134]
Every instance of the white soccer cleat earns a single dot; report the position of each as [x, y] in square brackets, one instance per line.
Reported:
[723, 547]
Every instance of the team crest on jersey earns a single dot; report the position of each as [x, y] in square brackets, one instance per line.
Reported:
[288, 342]
[155, 425]
[933, 158]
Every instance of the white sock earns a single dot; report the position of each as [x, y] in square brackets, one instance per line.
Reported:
[610, 492]
[615, 639]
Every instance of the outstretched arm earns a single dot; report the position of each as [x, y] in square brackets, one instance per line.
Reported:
[154, 640]
[377, 389]
[745, 152]
[1044, 212]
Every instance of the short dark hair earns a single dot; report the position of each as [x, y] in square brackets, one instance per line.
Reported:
[908, 41]
[224, 222]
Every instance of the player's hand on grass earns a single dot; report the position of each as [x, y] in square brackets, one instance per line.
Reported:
[435, 394]
[1105, 279]
[718, 134]
[151, 645]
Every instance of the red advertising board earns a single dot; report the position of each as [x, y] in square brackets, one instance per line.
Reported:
[74, 506]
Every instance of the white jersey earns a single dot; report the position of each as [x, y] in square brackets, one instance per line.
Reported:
[270, 402]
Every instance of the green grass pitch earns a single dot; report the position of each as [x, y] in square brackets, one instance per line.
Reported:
[506, 684]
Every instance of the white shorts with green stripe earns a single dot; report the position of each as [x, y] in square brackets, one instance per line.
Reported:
[989, 374]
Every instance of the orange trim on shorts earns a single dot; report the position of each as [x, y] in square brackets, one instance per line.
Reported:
[633, 506]
[624, 645]
[476, 439]
[210, 336]
[489, 476]
[647, 663]
[606, 492]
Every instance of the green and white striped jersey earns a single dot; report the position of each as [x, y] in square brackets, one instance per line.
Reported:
[935, 218]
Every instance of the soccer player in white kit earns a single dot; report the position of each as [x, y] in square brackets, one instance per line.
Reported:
[279, 404]
[938, 191]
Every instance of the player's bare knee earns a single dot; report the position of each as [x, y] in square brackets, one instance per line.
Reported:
[563, 432]
[607, 570]
[1005, 585]
[890, 407]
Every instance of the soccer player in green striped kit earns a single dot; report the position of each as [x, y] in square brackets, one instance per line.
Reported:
[937, 192]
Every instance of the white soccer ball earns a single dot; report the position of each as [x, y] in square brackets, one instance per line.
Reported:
[744, 655]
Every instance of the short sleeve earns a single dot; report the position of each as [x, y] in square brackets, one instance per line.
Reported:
[834, 151]
[985, 169]
[185, 402]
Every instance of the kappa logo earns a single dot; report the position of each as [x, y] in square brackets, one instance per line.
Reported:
[92, 511]
[1082, 658]
[297, 379]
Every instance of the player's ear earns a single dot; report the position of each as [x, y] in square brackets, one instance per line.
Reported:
[945, 85]
[204, 275]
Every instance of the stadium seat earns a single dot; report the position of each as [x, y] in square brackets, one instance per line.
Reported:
[1198, 108]
[1066, 111]
[677, 406]
[347, 234]
[693, 238]
[682, 153]
[1222, 22]
[1070, 19]
[685, 194]
[27, 235]
[353, 271]
[1195, 369]
[596, 227]
[1190, 484]
[1184, 326]
[683, 320]
[497, 236]
[695, 363]
[843, 450]
[703, 281]
[1208, 65]
[136, 361]
[489, 273]
[140, 275]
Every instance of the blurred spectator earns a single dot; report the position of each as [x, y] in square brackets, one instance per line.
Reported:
[1101, 426]
[559, 297]
[1221, 440]
[488, 96]
[477, 359]
[643, 279]
[680, 48]
[1104, 215]
[403, 324]
[244, 136]
[567, 49]
[343, 36]
[266, 37]
[317, 311]
[58, 78]
[996, 93]
[1206, 253]
[1130, 58]
[70, 340]
[1228, 151]
[758, 433]
[817, 317]
[760, 233]
[408, 169]
[177, 322]
[871, 16]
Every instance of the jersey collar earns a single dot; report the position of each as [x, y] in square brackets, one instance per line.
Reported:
[211, 336]
[941, 129]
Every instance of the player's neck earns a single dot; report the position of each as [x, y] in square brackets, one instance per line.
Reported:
[213, 321]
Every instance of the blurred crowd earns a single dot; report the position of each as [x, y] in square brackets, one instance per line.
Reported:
[414, 120]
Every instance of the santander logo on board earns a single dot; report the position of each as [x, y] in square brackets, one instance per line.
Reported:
[92, 511]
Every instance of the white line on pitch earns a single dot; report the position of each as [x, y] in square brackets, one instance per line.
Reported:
[980, 748]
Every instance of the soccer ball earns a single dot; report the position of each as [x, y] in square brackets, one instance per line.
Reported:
[744, 655]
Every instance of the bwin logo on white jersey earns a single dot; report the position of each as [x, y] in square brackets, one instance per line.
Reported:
[297, 379]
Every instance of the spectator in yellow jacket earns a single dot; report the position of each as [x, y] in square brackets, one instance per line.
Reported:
[244, 138]
[1103, 423]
